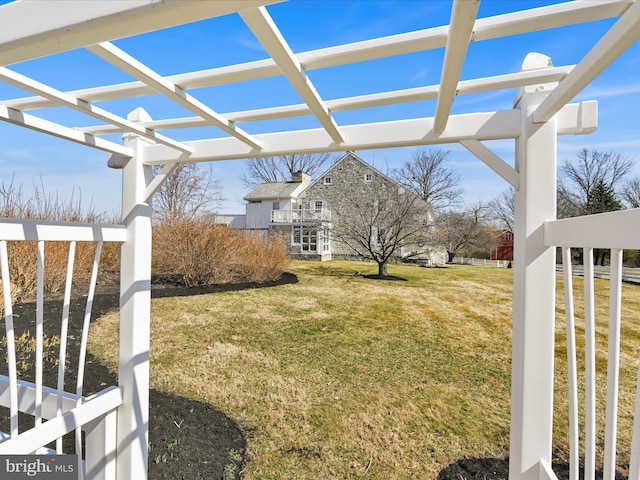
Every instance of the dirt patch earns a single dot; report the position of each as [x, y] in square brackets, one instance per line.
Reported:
[498, 469]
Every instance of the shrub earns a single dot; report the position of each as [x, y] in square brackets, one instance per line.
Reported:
[201, 253]
[22, 256]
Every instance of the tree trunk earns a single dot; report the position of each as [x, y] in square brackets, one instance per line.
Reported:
[383, 270]
[451, 256]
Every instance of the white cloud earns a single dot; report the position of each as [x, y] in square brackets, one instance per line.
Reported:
[608, 91]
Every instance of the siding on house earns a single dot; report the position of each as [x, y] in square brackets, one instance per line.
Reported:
[264, 197]
[503, 247]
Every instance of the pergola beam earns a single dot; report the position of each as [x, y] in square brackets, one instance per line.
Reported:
[266, 31]
[463, 16]
[618, 39]
[511, 80]
[112, 54]
[22, 119]
[65, 99]
[485, 29]
[62, 25]
[403, 133]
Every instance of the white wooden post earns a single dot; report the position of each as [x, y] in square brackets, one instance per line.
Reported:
[101, 449]
[135, 310]
[534, 286]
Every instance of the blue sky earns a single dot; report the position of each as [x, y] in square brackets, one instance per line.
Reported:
[63, 168]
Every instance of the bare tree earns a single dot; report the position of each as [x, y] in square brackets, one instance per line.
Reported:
[190, 191]
[376, 221]
[281, 169]
[428, 176]
[631, 193]
[463, 230]
[583, 181]
[502, 209]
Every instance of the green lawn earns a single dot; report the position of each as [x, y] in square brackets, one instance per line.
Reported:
[340, 376]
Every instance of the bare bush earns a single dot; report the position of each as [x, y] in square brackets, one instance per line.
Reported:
[23, 255]
[201, 253]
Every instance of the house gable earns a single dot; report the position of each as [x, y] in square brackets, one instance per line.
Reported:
[349, 171]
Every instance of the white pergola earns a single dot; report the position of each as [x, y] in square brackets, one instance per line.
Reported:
[541, 112]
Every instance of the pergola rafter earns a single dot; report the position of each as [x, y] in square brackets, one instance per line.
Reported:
[540, 113]
[74, 103]
[553, 16]
[125, 62]
[63, 25]
[268, 34]
[463, 17]
[484, 84]
[618, 39]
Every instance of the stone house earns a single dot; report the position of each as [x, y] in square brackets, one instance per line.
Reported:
[300, 212]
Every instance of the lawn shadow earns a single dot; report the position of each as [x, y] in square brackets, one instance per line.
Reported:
[390, 278]
[187, 438]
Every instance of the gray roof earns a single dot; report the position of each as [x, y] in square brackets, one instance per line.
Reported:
[272, 190]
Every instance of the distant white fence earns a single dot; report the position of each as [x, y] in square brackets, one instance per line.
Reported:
[481, 262]
[630, 275]
[57, 412]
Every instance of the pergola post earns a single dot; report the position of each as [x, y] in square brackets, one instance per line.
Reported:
[135, 310]
[534, 286]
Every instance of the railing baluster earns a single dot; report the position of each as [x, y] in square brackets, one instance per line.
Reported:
[613, 364]
[11, 342]
[83, 344]
[64, 328]
[634, 461]
[39, 331]
[590, 367]
[574, 437]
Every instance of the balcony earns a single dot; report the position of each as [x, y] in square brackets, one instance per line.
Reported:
[301, 216]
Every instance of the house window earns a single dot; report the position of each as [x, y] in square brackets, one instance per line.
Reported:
[296, 235]
[326, 244]
[368, 177]
[276, 206]
[309, 240]
[317, 206]
[306, 237]
[328, 180]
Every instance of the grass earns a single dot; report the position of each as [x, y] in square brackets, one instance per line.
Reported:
[339, 376]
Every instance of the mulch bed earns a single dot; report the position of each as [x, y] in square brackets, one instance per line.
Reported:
[189, 439]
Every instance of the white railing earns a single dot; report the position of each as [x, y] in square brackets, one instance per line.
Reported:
[611, 231]
[64, 412]
[300, 216]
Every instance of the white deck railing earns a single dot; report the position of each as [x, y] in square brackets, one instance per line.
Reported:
[63, 411]
[300, 216]
[612, 231]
